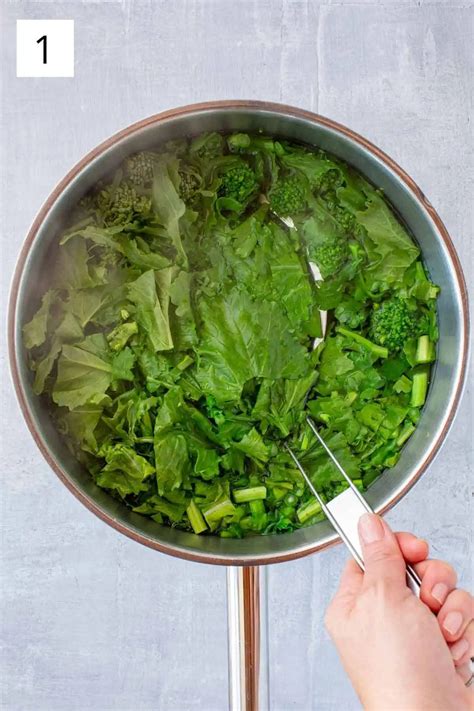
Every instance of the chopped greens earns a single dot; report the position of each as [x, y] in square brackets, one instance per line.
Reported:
[175, 345]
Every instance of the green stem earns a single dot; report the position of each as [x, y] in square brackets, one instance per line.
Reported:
[406, 432]
[424, 350]
[223, 507]
[308, 510]
[420, 388]
[185, 363]
[420, 271]
[316, 327]
[196, 519]
[379, 351]
[256, 507]
[242, 496]
[288, 485]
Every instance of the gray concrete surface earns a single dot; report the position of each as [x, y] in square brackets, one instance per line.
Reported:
[90, 620]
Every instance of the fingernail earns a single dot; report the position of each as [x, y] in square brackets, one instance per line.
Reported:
[440, 592]
[452, 622]
[459, 649]
[371, 528]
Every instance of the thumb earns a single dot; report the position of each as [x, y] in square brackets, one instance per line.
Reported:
[383, 558]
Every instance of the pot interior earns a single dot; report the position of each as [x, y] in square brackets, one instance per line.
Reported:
[438, 255]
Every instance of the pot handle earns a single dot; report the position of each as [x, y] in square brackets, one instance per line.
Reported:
[247, 638]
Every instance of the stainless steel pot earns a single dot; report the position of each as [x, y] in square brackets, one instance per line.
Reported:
[31, 277]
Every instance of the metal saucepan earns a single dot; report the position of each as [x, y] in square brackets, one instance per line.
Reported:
[30, 280]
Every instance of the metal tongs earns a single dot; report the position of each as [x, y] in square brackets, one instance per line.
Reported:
[345, 510]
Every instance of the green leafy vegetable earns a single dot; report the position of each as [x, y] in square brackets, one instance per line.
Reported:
[288, 196]
[175, 345]
[150, 314]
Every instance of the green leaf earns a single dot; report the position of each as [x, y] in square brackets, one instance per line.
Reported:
[311, 165]
[184, 326]
[168, 206]
[122, 365]
[34, 332]
[172, 461]
[68, 331]
[253, 446]
[157, 504]
[321, 228]
[86, 303]
[242, 340]
[150, 314]
[125, 472]
[81, 373]
[72, 271]
[80, 424]
[87, 369]
[334, 361]
[207, 463]
[389, 248]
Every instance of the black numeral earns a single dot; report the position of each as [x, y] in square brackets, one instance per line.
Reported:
[44, 40]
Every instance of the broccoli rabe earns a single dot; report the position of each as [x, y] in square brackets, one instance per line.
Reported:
[238, 183]
[189, 183]
[392, 323]
[330, 257]
[120, 335]
[289, 196]
[121, 203]
[375, 348]
[420, 386]
[179, 344]
[345, 219]
[238, 142]
[207, 146]
[329, 180]
[139, 168]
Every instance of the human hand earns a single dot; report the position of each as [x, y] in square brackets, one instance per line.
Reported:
[397, 653]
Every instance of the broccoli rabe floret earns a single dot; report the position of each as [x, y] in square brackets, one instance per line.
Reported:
[120, 335]
[207, 146]
[189, 183]
[88, 203]
[328, 181]
[344, 217]
[330, 257]
[288, 196]
[139, 168]
[121, 203]
[392, 323]
[238, 142]
[238, 183]
[347, 220]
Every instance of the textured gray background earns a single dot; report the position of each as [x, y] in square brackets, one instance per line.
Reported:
[90, 619]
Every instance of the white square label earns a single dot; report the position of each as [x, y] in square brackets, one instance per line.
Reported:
[45, 48]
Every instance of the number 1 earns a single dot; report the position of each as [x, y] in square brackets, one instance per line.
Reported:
[44, 39]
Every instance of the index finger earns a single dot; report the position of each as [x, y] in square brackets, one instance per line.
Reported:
[414, 549]
[438, 579]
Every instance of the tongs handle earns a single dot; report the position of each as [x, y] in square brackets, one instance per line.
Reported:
[344, 512]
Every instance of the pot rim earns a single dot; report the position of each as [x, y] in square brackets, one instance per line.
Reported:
[282, 109]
